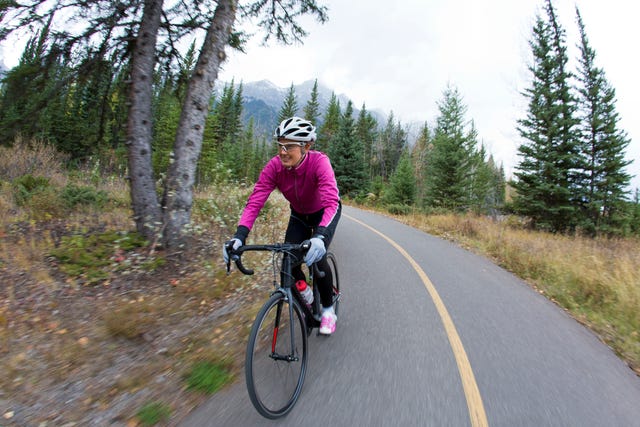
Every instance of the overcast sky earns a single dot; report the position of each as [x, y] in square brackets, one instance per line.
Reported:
[400, 58]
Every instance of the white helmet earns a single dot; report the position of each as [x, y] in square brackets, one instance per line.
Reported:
[296, 129]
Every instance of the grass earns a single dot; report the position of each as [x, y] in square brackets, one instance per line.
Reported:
[596, 280]
[153, 413]
[209, 376]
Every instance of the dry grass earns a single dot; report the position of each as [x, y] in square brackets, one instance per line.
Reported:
[31, 158]
[597, 280]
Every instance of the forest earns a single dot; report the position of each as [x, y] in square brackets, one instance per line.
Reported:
[570, 176]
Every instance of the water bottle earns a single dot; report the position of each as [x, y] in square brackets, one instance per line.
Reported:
[305, 291]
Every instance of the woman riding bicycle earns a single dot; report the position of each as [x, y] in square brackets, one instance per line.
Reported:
[306, 179]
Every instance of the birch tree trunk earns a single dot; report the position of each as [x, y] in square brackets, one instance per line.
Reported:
[178, 196]
[146, 208]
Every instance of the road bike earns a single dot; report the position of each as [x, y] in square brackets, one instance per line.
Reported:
[277, 350]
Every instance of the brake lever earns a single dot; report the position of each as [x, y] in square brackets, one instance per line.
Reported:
[229, 248]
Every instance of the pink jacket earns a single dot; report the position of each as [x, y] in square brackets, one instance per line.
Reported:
[308, 188]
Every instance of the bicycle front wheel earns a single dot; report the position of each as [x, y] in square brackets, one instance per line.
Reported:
[276, 359]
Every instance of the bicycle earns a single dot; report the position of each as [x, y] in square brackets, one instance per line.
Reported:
[276, 357]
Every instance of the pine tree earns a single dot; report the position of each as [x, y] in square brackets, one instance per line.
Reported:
[547, 173]
[402, 185]
[289, 106]
[185, 68]
[603, 144]
[388, 148]
[26, 87]
[330, 125]
[419, 157]
[227, 112]
[481, 192]
[346, 157]
[366, 131]
[222, 131]
[453, 160]
[312, 108]
[167, 115]
[497, 195]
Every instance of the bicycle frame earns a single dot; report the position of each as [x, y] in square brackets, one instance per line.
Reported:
[312, 319]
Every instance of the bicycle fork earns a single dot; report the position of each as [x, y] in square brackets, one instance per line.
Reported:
[292, 356]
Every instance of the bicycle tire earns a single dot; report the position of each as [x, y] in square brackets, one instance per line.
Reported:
[331, 259]
[274, 385]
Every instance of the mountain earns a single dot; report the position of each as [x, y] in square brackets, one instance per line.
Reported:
[274, 96]
[263, 100]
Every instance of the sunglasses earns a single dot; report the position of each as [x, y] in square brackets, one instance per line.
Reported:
[287, 147]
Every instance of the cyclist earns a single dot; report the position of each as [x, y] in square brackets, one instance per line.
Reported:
[306, 179]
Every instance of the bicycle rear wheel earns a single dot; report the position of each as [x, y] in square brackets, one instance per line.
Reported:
[331, 259]
[275, 368]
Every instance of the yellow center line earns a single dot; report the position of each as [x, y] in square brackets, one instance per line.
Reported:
[477, 415]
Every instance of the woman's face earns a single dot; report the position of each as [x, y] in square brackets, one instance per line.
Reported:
[290, 152]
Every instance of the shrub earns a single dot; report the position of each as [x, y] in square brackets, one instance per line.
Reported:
[29, 157]
[45, 205]
[26, 186]
[74, 195]
[396, 209]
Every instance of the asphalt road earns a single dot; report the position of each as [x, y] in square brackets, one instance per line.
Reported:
[432, 335]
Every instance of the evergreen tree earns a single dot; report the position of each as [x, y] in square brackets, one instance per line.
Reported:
[366, 131]
[547, 173]
[41, 98]
[185, 68]
[419, 157]
[235, 147]
[388, 148]
[402, 185]
[481, 193]
[289, 106]
[226, 116]
[222, 131]
[167, 115]
[603, 144]
[497, 195]
[452, 160]
[25, 88]
[346, 157]
[330, 125]
[312, 108]
[77, 122]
